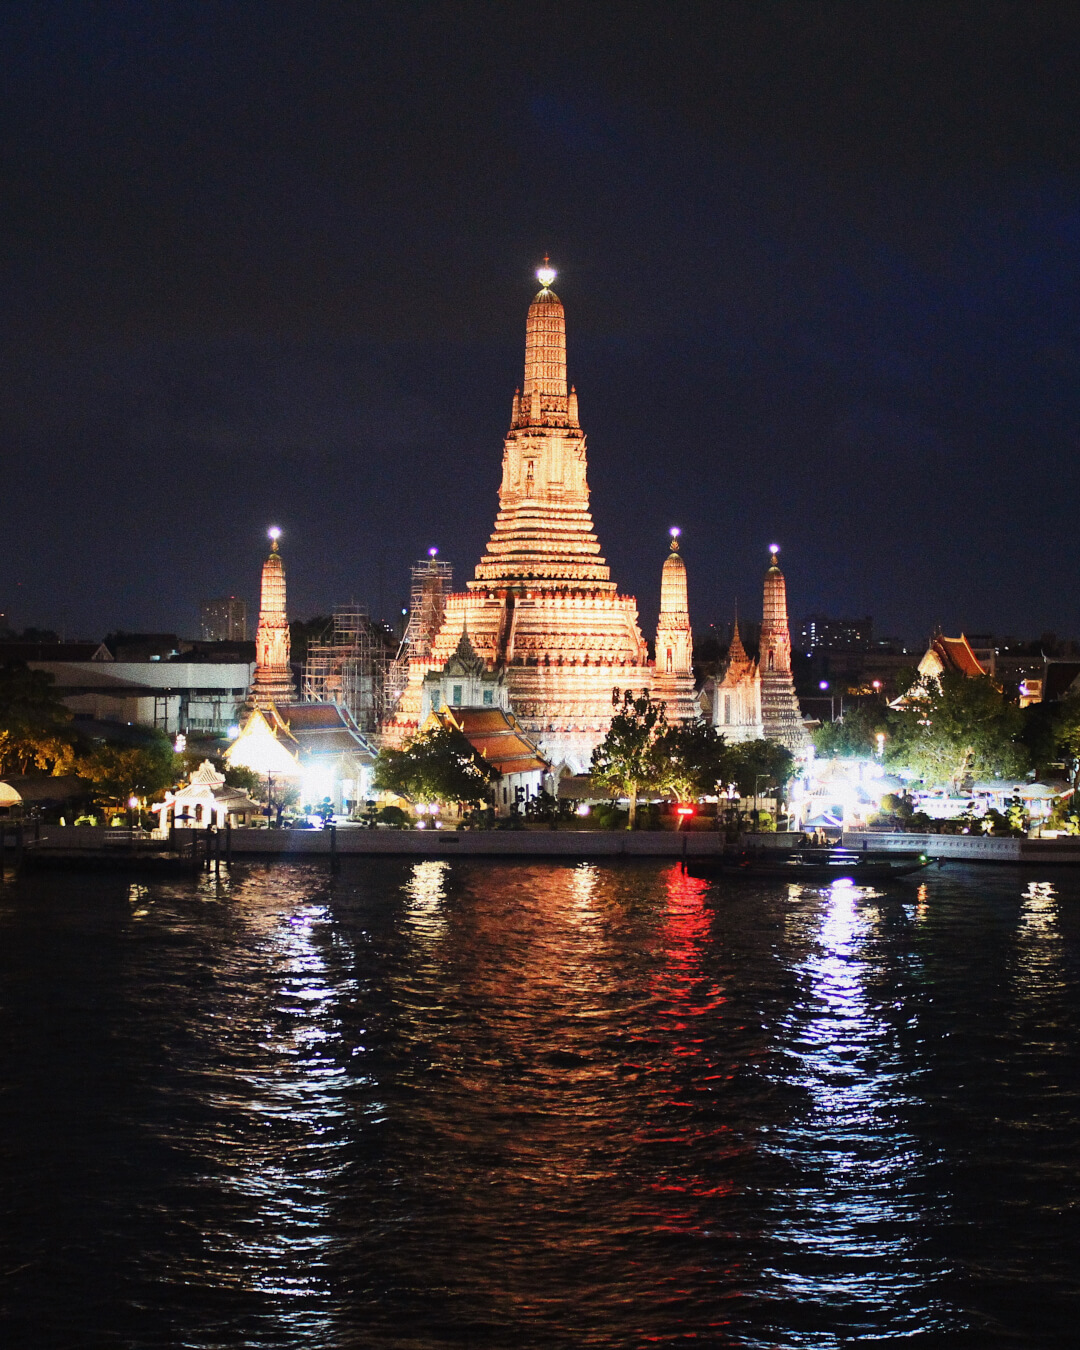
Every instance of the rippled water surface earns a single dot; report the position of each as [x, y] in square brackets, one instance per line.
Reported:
[485, 1104]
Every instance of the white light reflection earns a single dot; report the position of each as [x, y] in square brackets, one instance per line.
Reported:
[1040, 968]
[1039, 911]
[280, 1119]
[139, 900]
[583, 886]
[426, 907]
[849, 1226]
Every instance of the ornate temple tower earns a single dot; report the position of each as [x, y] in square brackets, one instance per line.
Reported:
[736, 699]
[542, 605]
[780, 713]
[674, 678]
[273, 680]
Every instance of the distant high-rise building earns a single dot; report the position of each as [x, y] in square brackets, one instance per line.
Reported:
[821, 633]
[223, 620]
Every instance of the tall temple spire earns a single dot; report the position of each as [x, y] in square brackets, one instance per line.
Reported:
[541, 610]
[273, 676]
[544, 530]
[674, 681]
[780, 712]
[737, 652]
[543, 395]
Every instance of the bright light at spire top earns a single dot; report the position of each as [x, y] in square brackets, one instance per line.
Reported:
[545, 275]
[774, 549]
[432, 551]
[674, 531]
[274, 533]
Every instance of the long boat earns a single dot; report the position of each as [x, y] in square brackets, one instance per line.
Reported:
[815, 865]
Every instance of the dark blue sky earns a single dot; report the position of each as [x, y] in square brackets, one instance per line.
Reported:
[821, 265]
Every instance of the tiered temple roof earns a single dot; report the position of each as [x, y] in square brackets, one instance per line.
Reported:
[541, 605]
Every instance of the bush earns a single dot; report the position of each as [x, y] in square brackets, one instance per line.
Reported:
[608, 816]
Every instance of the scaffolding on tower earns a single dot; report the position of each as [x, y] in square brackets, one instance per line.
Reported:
[432, 581]
[349, 666]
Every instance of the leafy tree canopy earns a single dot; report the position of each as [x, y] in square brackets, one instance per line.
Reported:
[759, 766]
[629, 759]
[853, 734]
[435, 766]
[122, 771]
[1066, 735]
[957, 727]
[692, 760]
[35, 727]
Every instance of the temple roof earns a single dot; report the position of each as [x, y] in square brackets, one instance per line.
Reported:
[496, 736]
[955, 654]
[465, 659]
[737, 656]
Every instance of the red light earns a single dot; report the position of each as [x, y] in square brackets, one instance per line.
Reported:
[684, 810]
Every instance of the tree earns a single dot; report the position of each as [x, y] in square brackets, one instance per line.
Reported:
[247, 780]
[627, 759]
[281, 794]
[122, 771]
[853, 734]
[761, 764]
[957, 727]
[1066, 733]
[35, 727]
[692, 759]
[435, 766]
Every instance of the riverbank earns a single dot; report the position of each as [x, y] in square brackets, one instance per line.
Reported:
[87, 842]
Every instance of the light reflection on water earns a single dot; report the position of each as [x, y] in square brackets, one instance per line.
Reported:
[441, 1104]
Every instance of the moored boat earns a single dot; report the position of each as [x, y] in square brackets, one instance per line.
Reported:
[816, 865]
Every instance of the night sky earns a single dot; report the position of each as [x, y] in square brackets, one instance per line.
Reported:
[271, 263]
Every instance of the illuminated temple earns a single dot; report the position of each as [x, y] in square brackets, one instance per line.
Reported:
[757, 698]
[273, 680]
[542, 607]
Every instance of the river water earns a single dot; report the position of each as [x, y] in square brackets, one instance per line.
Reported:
[485, 1104]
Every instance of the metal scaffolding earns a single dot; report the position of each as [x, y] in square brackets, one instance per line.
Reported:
[349, 666]
[432, 581]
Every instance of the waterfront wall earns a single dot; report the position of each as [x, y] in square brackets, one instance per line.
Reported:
[970, 847]
[259, 843]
